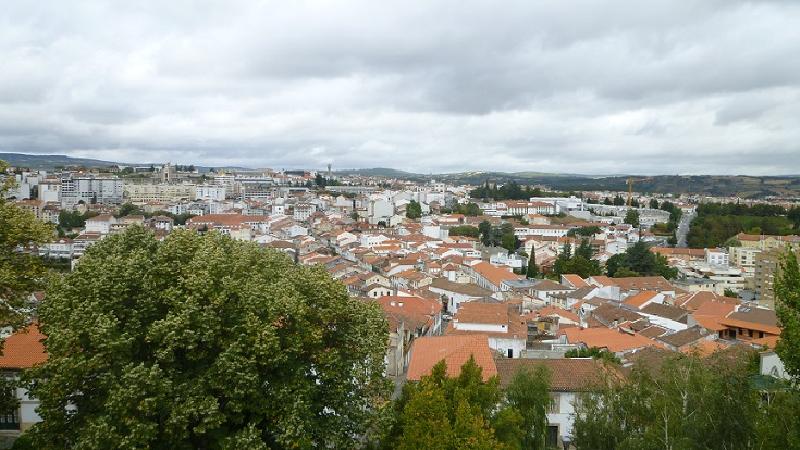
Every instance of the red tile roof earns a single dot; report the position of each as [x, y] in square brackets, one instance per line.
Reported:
[454, 350]
[613, 340]
[23, 349]
[640, 299]
[566, 375]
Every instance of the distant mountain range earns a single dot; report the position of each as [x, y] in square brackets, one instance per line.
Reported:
[715, 185]
[49, 162]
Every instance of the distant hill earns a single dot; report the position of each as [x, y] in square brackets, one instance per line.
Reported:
[713, 185]
[378, 172]
[716, 185]
[51, 161]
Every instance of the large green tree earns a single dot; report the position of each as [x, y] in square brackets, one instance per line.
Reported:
[687, 403]
[532, 271]
[638, 260]
[21, 271]
[440, 412]
[632, 217]
[413, 210]
[528, 395]
[787, 296]
[200, 341]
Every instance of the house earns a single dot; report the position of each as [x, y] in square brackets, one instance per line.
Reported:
[570, 378]
[458, 293]
[546, 289]
[616, 341]
[644, 298]
[455, 351]
[493, 278]
[100, 224]
[506, 329]
[748, 323]
[573, 281]
[684, 339]
[422, 316]
[22, 350]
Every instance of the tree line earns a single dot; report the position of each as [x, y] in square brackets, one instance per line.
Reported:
[513, 191]
[717, 222]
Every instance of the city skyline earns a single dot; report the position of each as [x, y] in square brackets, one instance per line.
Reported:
[598, 88]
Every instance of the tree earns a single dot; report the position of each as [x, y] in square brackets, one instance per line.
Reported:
[485, 230]
[200, 341]
[787, 302]
[446, 413]
[688, 403]
[731, 293]
[653, 203]
[465, 230]
[584, 250]
[528, 394]
[413, 210]
[533, 270]
[638, 260]
[632, 217]
[127, 209]
[21, 272]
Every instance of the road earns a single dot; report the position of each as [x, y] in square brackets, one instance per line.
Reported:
[683, 229]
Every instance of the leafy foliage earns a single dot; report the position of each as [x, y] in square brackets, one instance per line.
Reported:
[21, 272]
[638, 260]
[470, 209]
[584, 231]
[200, 341]
[413, 210]
[594, 353]
[466, 412]
[465, 230]
[580, 264]
[513, 191]
[688, 403]
[532, 271]
[717, 222]
[787, 296]
[632, 217]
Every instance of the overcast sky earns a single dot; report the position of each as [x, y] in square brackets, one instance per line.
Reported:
[597, 87]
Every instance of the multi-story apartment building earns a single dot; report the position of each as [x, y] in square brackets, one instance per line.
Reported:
[766, 268]
[90, 189]
[163, 193]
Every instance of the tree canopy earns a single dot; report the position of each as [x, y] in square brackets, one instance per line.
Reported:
[638, 260]
[413, 210]
[688, 402]
[787, 296]
[200, 341]
[466, 412]
[632, 217]
[21, 272]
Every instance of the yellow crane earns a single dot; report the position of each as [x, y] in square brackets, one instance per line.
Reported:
[630, 182]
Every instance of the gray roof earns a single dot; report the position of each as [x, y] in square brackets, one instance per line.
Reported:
[473, 290]
[666, 311]
[684, 337]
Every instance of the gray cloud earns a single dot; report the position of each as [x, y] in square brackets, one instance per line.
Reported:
[589, 86]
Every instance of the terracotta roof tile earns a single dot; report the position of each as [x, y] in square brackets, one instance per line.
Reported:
[567, 375]
[427, 351]
[23, 349]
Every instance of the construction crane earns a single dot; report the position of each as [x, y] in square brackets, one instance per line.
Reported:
[630, 182]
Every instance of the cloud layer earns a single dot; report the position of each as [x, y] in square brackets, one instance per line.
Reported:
[599, 87]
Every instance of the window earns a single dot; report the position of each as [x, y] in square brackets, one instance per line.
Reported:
[554, 406]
